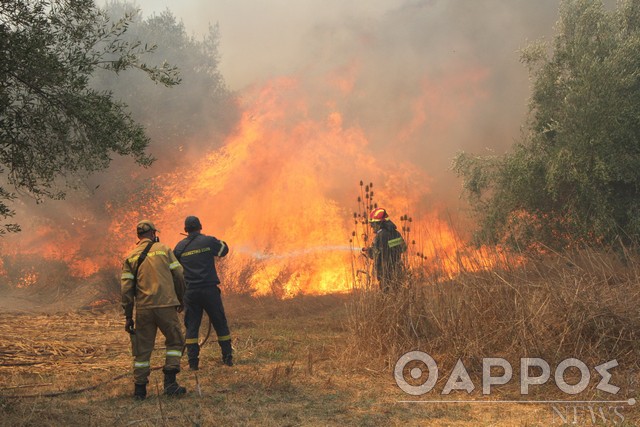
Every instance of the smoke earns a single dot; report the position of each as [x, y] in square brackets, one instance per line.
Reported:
[382, 90]
[422, 79]
[425, 78]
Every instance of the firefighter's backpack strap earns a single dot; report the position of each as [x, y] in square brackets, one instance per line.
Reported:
[141, 259]
[185, 247]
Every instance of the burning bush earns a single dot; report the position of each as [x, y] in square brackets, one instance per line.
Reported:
[56, 284]
[236, 274]
[26, 271]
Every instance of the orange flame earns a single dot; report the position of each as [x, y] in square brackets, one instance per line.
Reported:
[281, 187]
[280, 191]
[55, 244]
[27, 280]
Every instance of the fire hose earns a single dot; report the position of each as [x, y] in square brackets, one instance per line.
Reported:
[101, 383]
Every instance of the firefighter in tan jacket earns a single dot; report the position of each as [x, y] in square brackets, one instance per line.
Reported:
[152, 280]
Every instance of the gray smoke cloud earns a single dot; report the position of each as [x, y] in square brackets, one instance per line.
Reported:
[429, 78]
[402, 49]
[267, 38]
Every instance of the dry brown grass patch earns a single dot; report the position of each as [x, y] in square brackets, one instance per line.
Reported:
[581, 305]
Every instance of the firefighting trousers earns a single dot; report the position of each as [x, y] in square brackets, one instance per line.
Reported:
[147, 322]
[209, 300]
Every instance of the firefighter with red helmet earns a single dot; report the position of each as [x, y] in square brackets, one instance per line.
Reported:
[152, 280]
[386, 249]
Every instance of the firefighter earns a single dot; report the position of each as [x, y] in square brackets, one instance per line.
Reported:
[197, 254]
[153, 281]
[386, 249]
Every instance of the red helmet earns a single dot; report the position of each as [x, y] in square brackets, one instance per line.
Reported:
[378, 215]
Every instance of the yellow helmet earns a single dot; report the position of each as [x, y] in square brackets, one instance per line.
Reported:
[144, 226]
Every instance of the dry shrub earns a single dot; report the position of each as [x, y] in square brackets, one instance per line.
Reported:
[107, 279]
[36, 272]
[52, 282]
[582, 305]
[280, 377]
[235, 273]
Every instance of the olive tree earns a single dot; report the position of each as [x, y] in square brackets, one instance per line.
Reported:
[575, 176]
[53, 125]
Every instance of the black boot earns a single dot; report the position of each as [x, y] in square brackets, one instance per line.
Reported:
[227, 359]
[140, 392]
[171, 386]
[193, 352]
[193, 364]
[227, 352]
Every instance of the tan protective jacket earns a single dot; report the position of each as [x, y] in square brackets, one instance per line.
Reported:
[160, 281]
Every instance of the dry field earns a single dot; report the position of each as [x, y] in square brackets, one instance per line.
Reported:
[292, 369]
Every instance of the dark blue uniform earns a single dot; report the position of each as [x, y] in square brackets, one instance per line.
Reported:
[386, 251]
[196, 253]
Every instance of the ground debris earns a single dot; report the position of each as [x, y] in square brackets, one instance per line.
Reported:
[43, 342]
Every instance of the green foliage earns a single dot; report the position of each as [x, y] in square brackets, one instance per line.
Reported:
[575, 177]
[53, 125]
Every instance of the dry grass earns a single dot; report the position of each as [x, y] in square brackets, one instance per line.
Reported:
[291, 371]
[582, 305]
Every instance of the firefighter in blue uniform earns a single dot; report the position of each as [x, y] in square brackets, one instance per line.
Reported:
[197, 254]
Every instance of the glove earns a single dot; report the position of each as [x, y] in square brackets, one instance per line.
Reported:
[128, 326]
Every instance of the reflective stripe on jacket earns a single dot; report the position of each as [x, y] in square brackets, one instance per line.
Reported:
[160, 278]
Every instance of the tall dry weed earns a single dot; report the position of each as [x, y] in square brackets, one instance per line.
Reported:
[582, 304]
